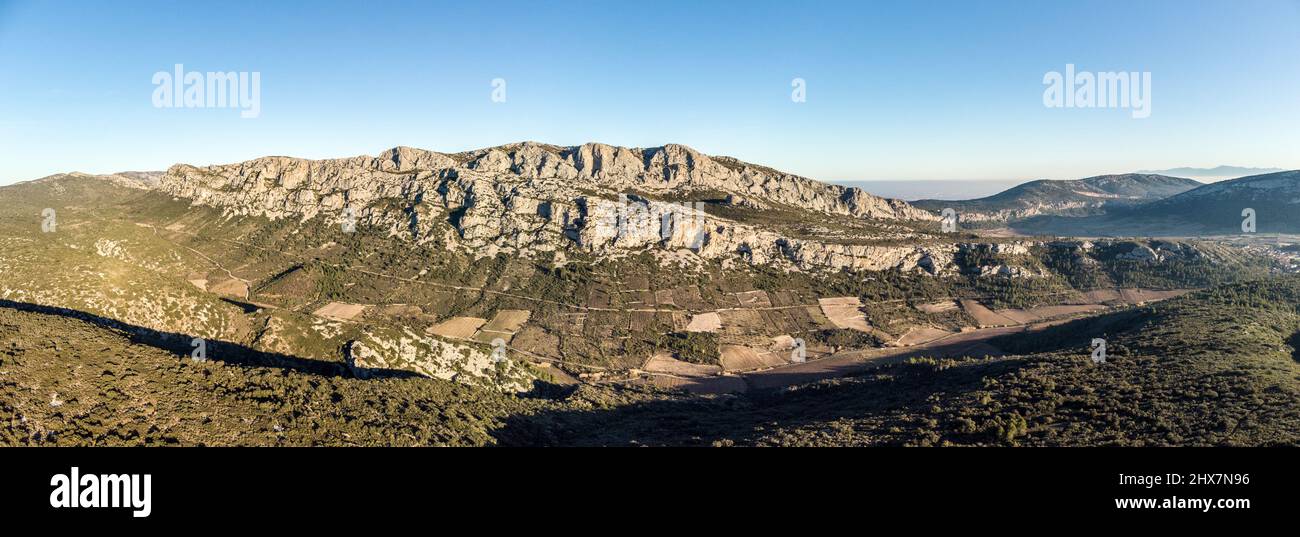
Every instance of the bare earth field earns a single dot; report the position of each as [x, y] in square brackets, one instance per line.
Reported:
[754, 372]
[340, 310]
[844, 312]
[705, 322]
[457, 327]
[741, 358]
[504, 325]
[985, 317]
[921, 334]
[663, 363]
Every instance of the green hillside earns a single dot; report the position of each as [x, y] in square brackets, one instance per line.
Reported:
[1213, 368]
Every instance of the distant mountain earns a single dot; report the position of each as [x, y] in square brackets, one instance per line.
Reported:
[1275, 198]
[1077, 197]
[1215, 173]
[1212, 209]
[137, 180]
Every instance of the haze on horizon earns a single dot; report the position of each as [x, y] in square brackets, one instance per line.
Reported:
[894, 90]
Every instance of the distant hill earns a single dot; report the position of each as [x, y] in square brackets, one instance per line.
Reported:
[1078, 197]
[1217, 207]
[136, 180]
[1214, 174]
[1211, 209]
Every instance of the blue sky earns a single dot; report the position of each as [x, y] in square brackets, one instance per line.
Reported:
[895, 90]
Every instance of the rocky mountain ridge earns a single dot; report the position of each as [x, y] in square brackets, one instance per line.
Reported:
[549, 202]
[532, 199]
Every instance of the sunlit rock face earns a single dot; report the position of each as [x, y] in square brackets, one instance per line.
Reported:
[527, 199]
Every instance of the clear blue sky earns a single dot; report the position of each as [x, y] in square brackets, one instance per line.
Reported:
[896, 90]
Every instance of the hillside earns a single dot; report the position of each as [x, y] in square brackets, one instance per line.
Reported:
[1071, 197]
[1213, 209]
[1217, 207]
[66, 381]
[1217, 367]
[1213, 368]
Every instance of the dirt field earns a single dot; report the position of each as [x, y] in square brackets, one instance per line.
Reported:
[536, 340]
[753, 299]
[1103, 296]
[742, 323]
[663, 363]
[922, 334]
[503, 325]
[741, 358]
[664, 297]
[966, 343]
[229, 287]
[960, 344]
[984, 316]
[1136, 296]
[340, 310]
[843, 312]
[705, 322]
[706, 386]
[457, 327]
[1025, 316]
[508, 321]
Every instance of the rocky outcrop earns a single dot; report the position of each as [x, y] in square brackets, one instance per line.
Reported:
[671, 169]
[1140, 253]
[386, 349]
[528, 199]
[1010, 271]
[1029, 210]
